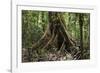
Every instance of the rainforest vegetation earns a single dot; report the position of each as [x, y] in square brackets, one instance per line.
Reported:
[55, 36]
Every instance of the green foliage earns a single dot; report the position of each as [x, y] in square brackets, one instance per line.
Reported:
[33, 26]
[74, 27]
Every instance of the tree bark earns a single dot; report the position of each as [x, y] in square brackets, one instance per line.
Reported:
[81, 33]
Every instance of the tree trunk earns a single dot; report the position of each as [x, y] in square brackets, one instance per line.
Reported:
[55, 34]
[81, 33]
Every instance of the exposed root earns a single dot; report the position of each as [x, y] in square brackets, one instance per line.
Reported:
[68, 42]
[52, 38]
[62, 46]
[40, 41]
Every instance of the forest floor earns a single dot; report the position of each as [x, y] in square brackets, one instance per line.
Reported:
[53, 55]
